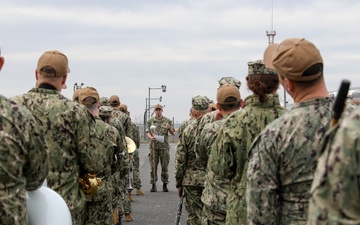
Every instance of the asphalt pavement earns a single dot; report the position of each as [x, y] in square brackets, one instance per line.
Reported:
[156, 208]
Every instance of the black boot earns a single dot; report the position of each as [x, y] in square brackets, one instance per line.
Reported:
[165, 189]
[153, 189]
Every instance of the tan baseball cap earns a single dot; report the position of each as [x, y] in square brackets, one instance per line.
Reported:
[56, 60]
[292, 57]
[228, 94]
[86, 94]
[114, 100]
[124, 107]
[158, 106]
[76, 94]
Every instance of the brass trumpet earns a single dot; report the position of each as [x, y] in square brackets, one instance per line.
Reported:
[89, 184]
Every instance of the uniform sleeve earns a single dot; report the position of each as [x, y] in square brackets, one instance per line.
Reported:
[88, 157]
[180, 160]
[37, 167]
[262, 188]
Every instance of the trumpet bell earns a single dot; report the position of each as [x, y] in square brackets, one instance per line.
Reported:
[45, 207]
[131, 146]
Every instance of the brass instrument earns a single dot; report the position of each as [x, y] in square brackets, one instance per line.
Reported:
[89, 184]
[131, 148]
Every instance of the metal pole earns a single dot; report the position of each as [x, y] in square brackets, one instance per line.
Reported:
[149, 104]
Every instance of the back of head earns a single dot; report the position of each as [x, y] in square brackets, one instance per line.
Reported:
[228, 97]
[123, 108]
[104, 101]
[200, 103]
[53, 64]
[114, 100]
[293, 58]
[88, 96]
[261, 80]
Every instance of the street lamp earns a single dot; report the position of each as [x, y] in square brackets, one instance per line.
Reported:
[76, 86]
[163, 89]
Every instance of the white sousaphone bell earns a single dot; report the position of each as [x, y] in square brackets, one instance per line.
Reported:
[131, 146]
[47, 207]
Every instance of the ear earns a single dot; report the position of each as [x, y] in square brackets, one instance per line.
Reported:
[36, 75]
[289, 85]
[2, 61]
[64, 80]
[242, 103]
[99, 104]
[218, 107]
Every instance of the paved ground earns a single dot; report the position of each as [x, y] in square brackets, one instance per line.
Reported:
[158, 208]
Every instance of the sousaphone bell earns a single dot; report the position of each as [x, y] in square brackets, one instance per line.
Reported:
[131, 146]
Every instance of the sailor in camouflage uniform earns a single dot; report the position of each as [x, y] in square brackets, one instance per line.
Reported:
[66, 126]
[216, 115]
[335, 189]
[136, 160]
[283, 158]
[189, 175]
[123, 117]
[159, 151]
[23, 159]
[185, 124]
[119, 174]
[229, 153]
[99, 207]
[216, 187]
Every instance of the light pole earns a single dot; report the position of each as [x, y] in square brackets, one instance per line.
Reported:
[163, 89]
[76, 86]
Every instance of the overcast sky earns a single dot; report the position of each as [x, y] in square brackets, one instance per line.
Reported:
[126, 47]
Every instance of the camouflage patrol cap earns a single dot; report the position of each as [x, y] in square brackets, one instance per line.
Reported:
[88, 96]
[230, 80]
[105, 111]
[104, 101]
[76, 95]
[114, 100]
[200, 103]
[55, 59]
[258, 67]
[228, 94]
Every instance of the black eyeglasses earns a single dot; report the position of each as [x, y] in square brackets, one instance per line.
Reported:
[157, 109]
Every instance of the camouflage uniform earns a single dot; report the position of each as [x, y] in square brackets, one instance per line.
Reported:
[183, 126]
[67, 127]
[335, 190]
[136, 139]
[23, 160]
[189, 172]
[214, 194]
[120, 176]
[125, 121]
[99, 206]
[282, 162]
[159, 150]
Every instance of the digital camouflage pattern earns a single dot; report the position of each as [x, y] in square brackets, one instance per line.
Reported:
[231, 146]
[282, 162]
[189, 173]
[230, 80]
[99, 206]
[67, 127]
[335, 190]
[200, 103]
[136, 162]
[159, 150]
[258, 67]
[124, 120]
[214, 195]
[23, 160]
[183, 126]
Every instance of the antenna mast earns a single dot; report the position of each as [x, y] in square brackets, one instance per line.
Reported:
[271, 34]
